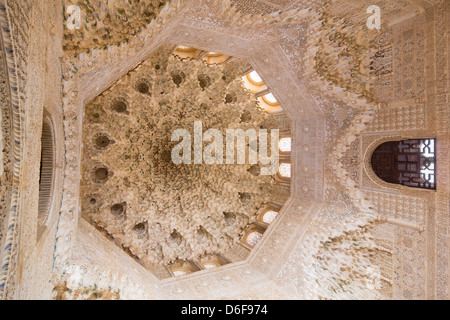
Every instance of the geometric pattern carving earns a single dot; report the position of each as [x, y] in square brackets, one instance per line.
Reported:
[399, 207]
[249, 7]
[409, 264]
[381, 67]
[391, 118]
[408, 59]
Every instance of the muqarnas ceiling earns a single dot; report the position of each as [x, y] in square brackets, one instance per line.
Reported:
[157, 211]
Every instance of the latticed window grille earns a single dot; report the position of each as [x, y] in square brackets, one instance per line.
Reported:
[410, 162]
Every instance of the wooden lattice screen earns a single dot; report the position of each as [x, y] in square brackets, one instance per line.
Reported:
[410, 162]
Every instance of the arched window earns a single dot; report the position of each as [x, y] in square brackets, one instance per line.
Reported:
[285, 144]
[181, 268]
[210, 265]
[269, 216]
[253, 235]
[187, 52]
[255, 79]
[215, 57]
[285, 170]
[253, 238]
[254, 83]
[409, 162]
[268, 213]
[212, 261]
[270, 99]
[268, 102]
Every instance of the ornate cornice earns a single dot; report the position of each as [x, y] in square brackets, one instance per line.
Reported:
[15, 69]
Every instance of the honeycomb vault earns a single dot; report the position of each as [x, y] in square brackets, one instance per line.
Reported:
[156, 211]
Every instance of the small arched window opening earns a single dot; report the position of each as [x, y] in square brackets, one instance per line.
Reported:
[285, 171]
[268, 213]
[215, 58]
[269, 216]
[254, 83]
[210, 265]
[253, 235]
[46, 177]
[182, 267]
[255, 79]
[213, 261]
[270, 100]
[184, 52]
[253, 238]
[285, 145]
[410, 163]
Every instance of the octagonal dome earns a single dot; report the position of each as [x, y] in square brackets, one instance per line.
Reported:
[176, 219]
